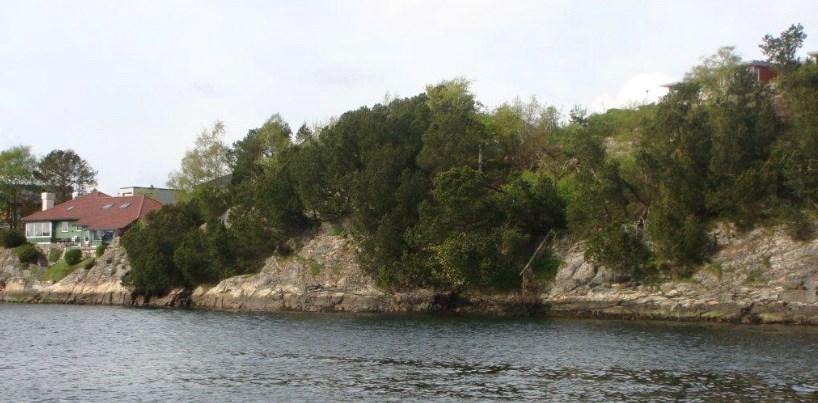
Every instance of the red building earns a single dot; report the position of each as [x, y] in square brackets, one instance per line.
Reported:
[762, 71]
[86, 220]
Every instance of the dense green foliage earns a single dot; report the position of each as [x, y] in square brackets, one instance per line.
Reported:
[72, 256]
[17, 166]
[100, 249]
[781, 49]
[63, 172]
[23, 176]
[28, 253]
[439, 191]
[207, 161]
[11, 238]
[178, 248]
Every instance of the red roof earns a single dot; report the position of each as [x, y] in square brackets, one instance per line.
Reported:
[97, 210]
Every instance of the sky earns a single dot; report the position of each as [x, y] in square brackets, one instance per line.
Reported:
[130, 84]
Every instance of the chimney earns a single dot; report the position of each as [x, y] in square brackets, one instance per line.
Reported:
[74, 195]
[48, 201]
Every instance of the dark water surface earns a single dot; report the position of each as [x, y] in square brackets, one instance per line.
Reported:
[92, 353]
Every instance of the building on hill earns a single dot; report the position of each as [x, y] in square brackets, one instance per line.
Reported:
[91, 219]
[814, 55]
[762, 71]
[162, 195]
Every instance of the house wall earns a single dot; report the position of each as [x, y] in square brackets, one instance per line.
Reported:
[766, 75]
[73, 231]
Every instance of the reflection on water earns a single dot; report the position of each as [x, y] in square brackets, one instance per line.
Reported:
[108, 353]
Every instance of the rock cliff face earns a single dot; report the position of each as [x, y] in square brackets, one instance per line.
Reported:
[101, 284]
[758, 277]
[324, 275]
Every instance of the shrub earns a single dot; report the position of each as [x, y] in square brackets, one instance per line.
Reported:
[619, 248]
[28, 253]
[546, 266]
[101, 249]
[679, 237]
[11, 238]
[54, 254]
[798, 225]
[193, 260]
[170, 250]
[73, 256]
[315, 267]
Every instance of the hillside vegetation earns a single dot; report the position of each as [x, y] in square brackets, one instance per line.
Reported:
[438, 191]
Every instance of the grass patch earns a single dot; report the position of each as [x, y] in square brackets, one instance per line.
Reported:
[715, 269]
[755, 277]
[59, 270]
[338, 230]
[713, 315]
[686, 280]
[315, 267]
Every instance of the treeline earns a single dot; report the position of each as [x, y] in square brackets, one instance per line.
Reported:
[440, 192]
[24, 175]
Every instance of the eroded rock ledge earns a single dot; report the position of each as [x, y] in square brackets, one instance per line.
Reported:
[762, 276]
[758, 277]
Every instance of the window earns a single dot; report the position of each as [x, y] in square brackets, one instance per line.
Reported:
[125, 205]
[38, 229]
[107, 206]
[64, 226]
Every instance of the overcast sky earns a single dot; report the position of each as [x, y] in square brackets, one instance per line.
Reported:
[129, 84]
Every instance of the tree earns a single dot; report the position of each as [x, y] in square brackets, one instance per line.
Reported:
[714, 72]
[797, 151]
[152, 249]
[17, 167]
[781, 49]
[207, 161]
[455, 136]
[521, 130]
[677, 235]
[743, 126]
[250, 154]
[304, 134]
[64, 172]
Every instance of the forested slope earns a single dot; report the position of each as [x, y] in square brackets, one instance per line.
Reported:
[441, 192]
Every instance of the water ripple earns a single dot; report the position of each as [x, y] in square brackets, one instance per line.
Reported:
[77, 353]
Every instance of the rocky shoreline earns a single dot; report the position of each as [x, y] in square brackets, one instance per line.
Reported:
[757, 277]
